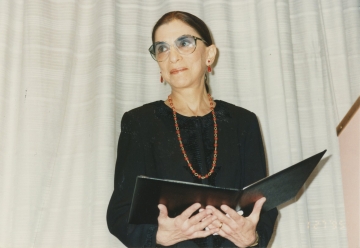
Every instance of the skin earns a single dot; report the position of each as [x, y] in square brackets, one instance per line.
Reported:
[174, 230]
[238, 229]
[186, 75]
[187, 86]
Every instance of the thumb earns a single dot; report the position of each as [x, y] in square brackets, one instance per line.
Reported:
[163, 211]
[257, 208]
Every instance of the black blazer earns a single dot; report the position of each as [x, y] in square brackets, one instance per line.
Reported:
[148, 145]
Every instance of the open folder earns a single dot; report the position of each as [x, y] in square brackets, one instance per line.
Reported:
[177, 195]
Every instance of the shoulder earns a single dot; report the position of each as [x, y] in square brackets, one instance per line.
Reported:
[139, 116]
[143, 112]
[236, 112]
[245, 121]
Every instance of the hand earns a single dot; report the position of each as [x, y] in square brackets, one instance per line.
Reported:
[236, 228]
[182, 227]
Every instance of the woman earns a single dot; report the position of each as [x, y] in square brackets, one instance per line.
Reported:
[221, 144]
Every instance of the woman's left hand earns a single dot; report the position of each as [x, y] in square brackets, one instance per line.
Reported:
[236, 228]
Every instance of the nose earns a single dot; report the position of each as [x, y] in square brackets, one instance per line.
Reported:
[174, 54]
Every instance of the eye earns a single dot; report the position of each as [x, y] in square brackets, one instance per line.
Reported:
[161, 48]
[185, 41]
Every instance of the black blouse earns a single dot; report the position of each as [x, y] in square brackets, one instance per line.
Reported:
[148, 145]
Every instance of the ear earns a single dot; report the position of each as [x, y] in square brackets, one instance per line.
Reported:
[211, 53]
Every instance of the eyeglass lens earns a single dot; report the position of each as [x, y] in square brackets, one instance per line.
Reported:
[185, 44]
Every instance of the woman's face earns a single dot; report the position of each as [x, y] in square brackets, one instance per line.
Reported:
[183, 71]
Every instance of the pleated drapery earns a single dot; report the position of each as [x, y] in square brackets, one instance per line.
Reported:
[70, 69]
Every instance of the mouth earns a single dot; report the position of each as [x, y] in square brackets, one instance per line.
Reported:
[177, 70]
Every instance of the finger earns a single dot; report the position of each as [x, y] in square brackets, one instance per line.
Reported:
[257, 209]
[230, 212]
[208, 216]
[215, 224]
[204, 233]
[189, 211]
[220, 216]
[225, 226]
[199, 226]
[200, 210]
[240, 212]
[163, 211]
[222, 232]
[205, 223]
[226, 232]
[200, 217]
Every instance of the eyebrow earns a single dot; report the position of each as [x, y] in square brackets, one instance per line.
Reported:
[157, 42]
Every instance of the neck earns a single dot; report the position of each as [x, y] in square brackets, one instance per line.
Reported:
[191, 102]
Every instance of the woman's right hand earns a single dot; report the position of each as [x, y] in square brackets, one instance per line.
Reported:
[182, 227]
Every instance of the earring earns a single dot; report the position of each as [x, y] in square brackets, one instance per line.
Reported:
[209, 68]
[161, 79]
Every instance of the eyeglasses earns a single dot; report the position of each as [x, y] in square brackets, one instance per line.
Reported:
[185, 44]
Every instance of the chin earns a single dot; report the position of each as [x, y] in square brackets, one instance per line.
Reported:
[180, 83]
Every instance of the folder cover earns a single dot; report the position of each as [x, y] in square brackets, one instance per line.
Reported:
[177, 195]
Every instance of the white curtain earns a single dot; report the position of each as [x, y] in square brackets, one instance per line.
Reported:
[69, 69]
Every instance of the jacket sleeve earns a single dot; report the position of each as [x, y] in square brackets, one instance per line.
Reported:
[255, 168]
[132, 160]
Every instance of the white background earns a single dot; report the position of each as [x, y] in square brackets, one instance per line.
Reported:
[69, 69]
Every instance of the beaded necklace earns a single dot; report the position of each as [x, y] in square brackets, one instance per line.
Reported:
[182, 146]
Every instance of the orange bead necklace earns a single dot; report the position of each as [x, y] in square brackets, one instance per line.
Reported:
[182, 146]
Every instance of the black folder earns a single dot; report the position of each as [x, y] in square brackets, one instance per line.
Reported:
[177, 195]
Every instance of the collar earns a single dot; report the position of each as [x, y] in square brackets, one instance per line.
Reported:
[222, 113]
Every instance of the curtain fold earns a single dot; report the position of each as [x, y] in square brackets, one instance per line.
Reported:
[70, 69]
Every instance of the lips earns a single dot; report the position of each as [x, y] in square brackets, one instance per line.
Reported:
[177, 70]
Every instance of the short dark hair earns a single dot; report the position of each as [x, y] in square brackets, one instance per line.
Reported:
[189, 19]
